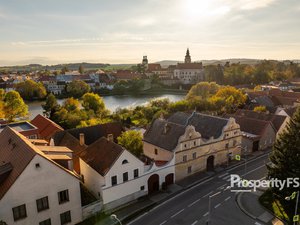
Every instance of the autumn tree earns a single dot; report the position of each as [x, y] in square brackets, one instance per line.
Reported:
[77, 88]
[260, 108]
[95, 103]
[81, 69]
[132, 141]
[30, 89]
[202, 90]
[232, 98]
[14, 106]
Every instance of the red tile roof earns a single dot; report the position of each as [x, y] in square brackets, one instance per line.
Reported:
[154, 67]
[46, 127]
[101, 155]
[189, 66]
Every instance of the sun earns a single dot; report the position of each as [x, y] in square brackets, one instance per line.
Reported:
[198, 8]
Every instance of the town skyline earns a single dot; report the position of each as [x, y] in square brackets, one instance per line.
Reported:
[121, 32]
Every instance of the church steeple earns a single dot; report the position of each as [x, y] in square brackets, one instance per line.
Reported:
[187, 58]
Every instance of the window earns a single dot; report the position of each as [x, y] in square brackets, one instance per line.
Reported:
[19, 212]
[37, 165]
[194, 155]
[227, 145]
[234, 142]
[155, 151]
[42, 204]
[65, 217]
[45, 222]
[189, 169]
[125, 177]
[136, 173]
[125, 161]
[63, 196]
[114, 180]
[184, 159]
[195, 143]
[142, 188]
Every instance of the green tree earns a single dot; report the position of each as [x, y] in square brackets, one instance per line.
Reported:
[214, 73]
[94, 102]
[286, 153]
[202, 90]
[132, 141]
[77, 88]
[14, 106]
[71, 104]
[2, 113]
[81, 69]
[30, 89]
[51, 106]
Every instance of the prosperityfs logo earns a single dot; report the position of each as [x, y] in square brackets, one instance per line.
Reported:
[238, 184]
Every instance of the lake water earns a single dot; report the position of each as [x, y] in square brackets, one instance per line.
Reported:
[111, 102]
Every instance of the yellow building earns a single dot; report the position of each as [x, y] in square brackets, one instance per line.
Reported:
[199, 142]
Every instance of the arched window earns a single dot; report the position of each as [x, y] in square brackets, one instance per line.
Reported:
[125, 161]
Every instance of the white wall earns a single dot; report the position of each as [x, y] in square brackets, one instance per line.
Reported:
[35, 183]
[92, 179]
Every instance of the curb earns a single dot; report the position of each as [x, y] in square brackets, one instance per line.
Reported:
[238, 201]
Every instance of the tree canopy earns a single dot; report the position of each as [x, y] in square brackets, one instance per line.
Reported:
[77, 88]
[30, 89]
[132, 141]
[14, 106]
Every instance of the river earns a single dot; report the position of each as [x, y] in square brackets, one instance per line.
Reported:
[111, 102]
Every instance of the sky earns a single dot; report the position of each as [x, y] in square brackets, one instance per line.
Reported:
[122, 31]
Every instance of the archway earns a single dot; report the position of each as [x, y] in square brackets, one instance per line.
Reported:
[153, 183]
[210, 163]
[169, 179]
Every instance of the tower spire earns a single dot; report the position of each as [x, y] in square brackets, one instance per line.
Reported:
[187, 58]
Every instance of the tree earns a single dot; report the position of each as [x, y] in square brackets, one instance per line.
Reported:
[202, 90]
[64, 70]
[51, 106]
[214, 73]
[30, 89]
[286, 153]
[71, 104]
[132, 141]
[232, 97]
[77, 88]
[260, 108]
[2, 113]
[14, 106]
[94, 102]
[81, 69]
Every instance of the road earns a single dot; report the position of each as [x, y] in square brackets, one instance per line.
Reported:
[190, 207]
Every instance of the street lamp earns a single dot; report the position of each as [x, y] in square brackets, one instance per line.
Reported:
[297, 201]
[114, 217]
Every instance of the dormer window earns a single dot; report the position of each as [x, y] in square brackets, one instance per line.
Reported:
[125, 161]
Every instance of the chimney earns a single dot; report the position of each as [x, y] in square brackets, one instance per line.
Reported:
[81, 139]
[110, 137]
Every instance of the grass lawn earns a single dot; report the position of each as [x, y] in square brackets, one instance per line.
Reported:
[280, 207]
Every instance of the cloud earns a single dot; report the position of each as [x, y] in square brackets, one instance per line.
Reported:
[249, 4]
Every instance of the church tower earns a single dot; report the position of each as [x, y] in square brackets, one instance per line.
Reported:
[145, 60]
[187, 58]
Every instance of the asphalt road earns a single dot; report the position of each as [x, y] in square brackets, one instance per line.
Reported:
[191, 206]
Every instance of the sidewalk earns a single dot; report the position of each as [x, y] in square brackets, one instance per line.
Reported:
[248, 202]
[145, 203]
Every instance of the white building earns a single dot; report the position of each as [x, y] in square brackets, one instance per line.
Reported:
[188, 72]
[116, 177]
[33, 188]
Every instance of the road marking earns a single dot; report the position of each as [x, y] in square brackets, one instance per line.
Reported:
[225, 178]
[206, 214]
[193, 203]
[249, 161]
[221, 187]
[163, 222]
[254, 170]
[241, 190]
[217, 205]
[223, 175]
[177, 213]
[207, 194]
[195, 222]
[257, 223]
[226, 199]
